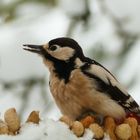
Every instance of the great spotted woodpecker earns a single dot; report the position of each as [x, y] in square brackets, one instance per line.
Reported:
[79, 84]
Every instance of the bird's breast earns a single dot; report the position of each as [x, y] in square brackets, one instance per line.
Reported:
[71, 97]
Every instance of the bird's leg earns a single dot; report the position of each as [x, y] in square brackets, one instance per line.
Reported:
[85, 114]
[90, 117]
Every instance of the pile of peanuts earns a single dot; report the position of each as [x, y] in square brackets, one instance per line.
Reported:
[128, 130]
[11, 123]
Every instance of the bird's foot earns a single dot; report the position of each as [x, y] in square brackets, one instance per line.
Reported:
[90, 117]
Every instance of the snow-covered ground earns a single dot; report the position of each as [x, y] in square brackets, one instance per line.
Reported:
[49, 130]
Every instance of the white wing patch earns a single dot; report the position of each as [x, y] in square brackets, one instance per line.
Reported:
[105, 76]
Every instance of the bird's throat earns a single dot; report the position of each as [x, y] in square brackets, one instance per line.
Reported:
[63, 69]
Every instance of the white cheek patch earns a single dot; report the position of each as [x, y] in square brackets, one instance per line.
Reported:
[78, 63]
[63, 53]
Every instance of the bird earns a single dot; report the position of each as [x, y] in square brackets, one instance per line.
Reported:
[80, 85]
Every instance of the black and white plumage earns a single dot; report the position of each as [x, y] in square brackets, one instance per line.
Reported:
[79, 84]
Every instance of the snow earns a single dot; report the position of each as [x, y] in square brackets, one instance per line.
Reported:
[126, 9]
[46, 130]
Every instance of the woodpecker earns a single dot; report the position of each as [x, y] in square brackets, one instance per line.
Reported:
[80, 84]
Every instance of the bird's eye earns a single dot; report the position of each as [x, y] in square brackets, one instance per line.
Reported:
[53, 47]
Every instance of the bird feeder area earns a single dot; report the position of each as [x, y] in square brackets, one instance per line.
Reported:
[11, 123]
[129, 129]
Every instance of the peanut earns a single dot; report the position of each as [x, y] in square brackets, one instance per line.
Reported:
[34, 117]
[133, 124]
[66, 120]
[110, 127]
[3, 128]
[77, 128]
[97, 130]
[12, 120]
[87, 121]
[123, 131]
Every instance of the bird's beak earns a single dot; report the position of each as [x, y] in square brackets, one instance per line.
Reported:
[34, 48]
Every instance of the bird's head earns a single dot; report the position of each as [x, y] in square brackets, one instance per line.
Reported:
[59, 53]
[57, 50]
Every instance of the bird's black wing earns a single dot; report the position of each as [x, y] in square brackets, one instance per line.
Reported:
[107, 83]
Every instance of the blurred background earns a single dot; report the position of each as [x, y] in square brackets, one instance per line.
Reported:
[108, 31]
